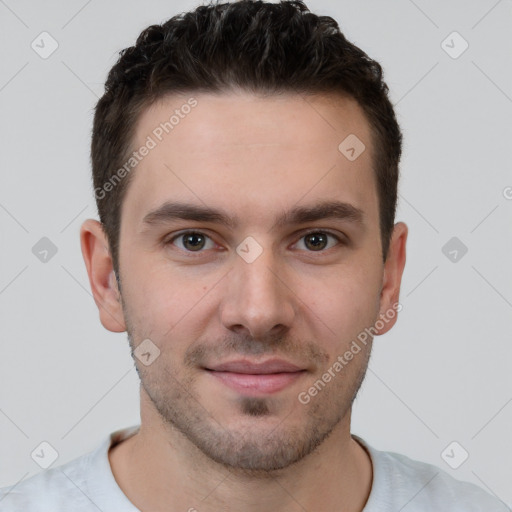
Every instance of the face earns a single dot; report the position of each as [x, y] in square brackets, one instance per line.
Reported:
[250, 257]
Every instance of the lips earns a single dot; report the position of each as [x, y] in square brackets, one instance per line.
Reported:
[248, 367]
[254, 379]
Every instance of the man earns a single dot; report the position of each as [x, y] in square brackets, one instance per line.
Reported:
[245, 165]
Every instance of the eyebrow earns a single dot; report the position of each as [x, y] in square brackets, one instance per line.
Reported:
[171, 211]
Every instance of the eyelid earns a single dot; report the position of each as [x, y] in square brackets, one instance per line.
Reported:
[320, 230]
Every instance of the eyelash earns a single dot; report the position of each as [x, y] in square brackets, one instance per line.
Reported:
[195, 232]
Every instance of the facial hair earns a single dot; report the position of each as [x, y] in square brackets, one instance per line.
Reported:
[260, 447]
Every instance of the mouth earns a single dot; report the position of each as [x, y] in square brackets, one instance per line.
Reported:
[250, 378]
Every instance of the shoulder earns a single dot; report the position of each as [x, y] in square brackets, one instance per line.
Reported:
[70, 486]
[56, 489]
[401, 482]
[85, 484]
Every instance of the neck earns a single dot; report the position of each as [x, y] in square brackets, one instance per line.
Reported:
[160, 469]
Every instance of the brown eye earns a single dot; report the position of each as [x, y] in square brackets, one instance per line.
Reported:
[192, 241]
[317, 241]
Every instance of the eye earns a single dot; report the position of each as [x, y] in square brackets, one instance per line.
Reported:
[192, 241]
[196, 241]
[316, 241]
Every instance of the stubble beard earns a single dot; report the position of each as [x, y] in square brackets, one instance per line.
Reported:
[259, 449]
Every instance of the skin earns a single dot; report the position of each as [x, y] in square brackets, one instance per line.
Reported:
[201, 444]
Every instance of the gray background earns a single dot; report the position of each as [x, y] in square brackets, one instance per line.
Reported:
[443, 372]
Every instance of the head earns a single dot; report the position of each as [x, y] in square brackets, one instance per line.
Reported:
[245, 165]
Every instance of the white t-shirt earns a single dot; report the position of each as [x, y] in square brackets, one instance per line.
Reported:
[86, 484]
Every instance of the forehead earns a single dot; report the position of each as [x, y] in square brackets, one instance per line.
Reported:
[254, 154]
[225, 120]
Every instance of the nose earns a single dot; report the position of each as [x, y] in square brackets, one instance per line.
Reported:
[257, 297]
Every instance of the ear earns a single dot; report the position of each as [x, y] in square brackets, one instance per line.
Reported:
[96, 253]
[393, 270]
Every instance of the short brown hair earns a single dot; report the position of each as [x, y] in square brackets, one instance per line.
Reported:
[252, 45]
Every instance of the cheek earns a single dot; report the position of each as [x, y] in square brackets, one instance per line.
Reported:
[342, 304]
[163, 302]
